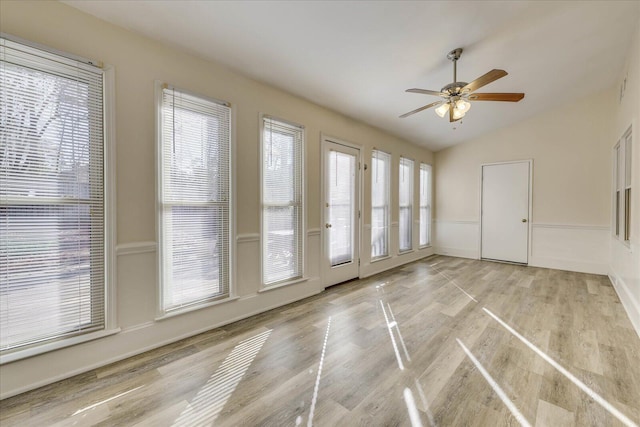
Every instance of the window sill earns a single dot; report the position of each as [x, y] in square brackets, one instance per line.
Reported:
[266, 288]
[56, 345]
[189, 309]
[625, 243]
[381, 258]
[425, 246]
[406, 252]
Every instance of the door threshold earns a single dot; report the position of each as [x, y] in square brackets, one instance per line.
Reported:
[344, 282]
[524, 264]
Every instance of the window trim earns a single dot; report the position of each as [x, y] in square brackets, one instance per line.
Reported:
[109, 202]
[161, 313]
[413, 196]
[621, 210]
[389, 206]
[303, 204]
[429, 205]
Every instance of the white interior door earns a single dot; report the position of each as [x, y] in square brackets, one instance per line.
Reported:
[341, 212]
[505, 212]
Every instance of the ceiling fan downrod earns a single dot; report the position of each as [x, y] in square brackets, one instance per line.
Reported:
[454, 55]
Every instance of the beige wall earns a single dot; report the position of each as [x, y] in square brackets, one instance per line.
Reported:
[570, 148]
[571, 151]
[625, 260]
[138, 62]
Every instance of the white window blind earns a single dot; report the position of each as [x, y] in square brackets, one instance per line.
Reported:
[406, 204]
[617, 178]
[52, 229]
[282, 201]
[622, 188]
[380, 212]
[425, 204]
[627, 187]
[194, 200]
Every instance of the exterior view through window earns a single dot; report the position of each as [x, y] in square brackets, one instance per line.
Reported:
[406, 204]
[282, 208]
[380, 212]
[194, 200]
[52, 228]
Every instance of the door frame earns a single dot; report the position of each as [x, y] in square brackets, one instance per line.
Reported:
[324, 265]
[530, 202]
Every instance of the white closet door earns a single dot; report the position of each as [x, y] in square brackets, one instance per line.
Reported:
[505, 212]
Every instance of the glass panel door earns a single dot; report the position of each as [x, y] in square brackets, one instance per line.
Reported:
[341, 217]
[342, 170]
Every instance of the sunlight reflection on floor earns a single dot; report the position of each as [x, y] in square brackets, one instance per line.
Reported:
[414, 415]
[582, 386]
[494, 385]
[207, 404]
[314, 399]
[393, 339]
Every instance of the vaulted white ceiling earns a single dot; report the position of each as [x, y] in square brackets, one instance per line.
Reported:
[358, 57]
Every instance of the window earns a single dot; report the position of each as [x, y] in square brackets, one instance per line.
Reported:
[380, 212]
[194, 200]
[425, 205]
[406, 204]
[622, 184]
[52, 198]
[282, 201]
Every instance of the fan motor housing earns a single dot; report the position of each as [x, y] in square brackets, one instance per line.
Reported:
[454, 88]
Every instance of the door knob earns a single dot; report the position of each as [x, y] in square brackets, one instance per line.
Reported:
[524, 220]
[327, 225]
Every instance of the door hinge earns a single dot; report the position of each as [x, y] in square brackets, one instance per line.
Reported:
[358, 262]
[358, 214]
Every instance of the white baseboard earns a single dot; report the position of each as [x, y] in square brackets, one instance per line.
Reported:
[629, 303]
[568, 265]
[377, 267]
[457, 252]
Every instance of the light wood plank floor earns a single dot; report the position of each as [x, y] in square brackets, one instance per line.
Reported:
[442, 341]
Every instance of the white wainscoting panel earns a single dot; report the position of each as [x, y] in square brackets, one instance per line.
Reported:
[456, 238]
[624, 273]
[369, 268]
[313, 254]
[581, 248]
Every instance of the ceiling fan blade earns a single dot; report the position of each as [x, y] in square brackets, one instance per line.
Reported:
[491, 76]
[508, 97]
[417, 110]
[426, 92]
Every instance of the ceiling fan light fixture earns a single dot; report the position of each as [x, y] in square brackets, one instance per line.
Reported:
[457, 114]
[463, 105]
[442, 109]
